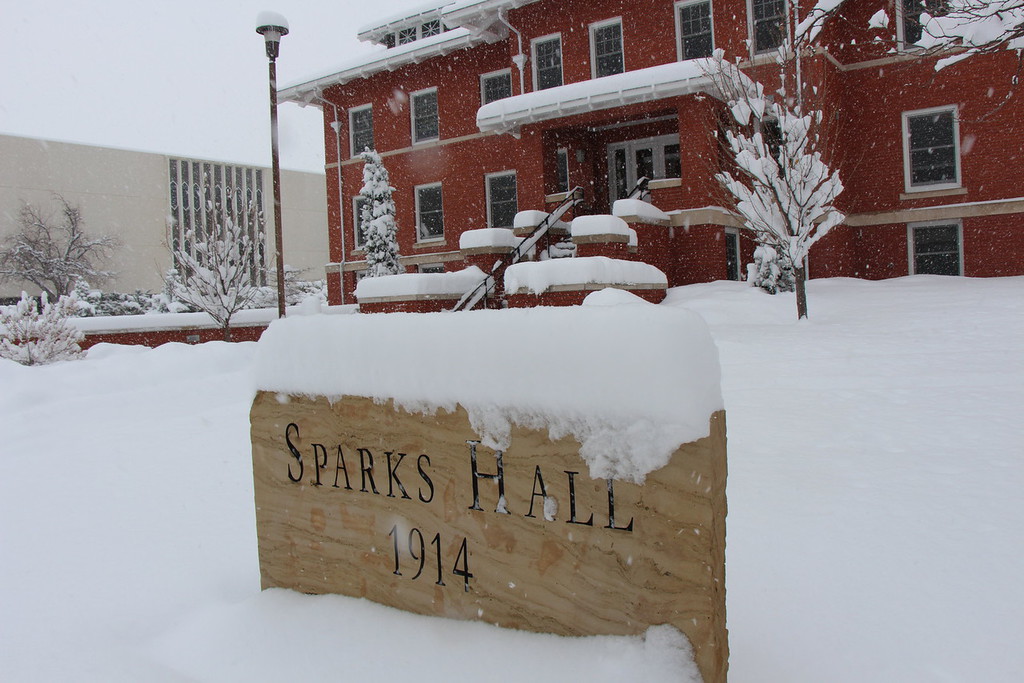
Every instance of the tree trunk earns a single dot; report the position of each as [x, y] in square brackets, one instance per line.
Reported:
[227, 330]
[801, 293]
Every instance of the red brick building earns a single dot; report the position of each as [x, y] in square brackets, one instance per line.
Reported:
[482, 108]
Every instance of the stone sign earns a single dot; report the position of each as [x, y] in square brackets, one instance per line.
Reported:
[411, 510]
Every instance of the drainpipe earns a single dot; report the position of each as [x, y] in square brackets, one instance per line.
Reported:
[336, 126]
[520, 59]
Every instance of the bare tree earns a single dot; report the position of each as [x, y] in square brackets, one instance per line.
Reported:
[54, 253]
[780, 184]
[219, 272]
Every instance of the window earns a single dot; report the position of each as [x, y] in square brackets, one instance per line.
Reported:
[931, 154]
[934, 249]
[732, 254]
[547, 62]
[430, 28]
[360, 128]
[767, 24]
[424, 116]
[606, 55]
[673, 167]
[357, 221]
[429, 213]
[694, 29]
[406, 35]
[909, 28]
[502, 202]
[200, 193]
[496, 85]
[389, 40]
[562, 170]
[430, 268]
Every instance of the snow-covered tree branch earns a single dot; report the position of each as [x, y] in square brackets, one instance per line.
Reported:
[52, 254]
[220, 273]
[781, 186]
[377, 218]
[33, 337]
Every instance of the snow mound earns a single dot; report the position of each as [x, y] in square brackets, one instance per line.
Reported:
[637, 381]
[539, 276]
[419, 284]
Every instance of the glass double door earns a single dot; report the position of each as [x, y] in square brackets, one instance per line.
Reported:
[650, 158]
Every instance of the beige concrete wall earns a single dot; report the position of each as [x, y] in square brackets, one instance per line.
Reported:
[124, 194]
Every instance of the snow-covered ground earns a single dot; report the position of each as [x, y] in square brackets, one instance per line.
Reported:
[874, 521]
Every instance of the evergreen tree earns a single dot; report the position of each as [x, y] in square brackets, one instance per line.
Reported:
[770, 271]
[377, 218]
[33, 337]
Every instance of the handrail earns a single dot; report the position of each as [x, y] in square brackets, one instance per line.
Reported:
[640, 190]
[473, 296]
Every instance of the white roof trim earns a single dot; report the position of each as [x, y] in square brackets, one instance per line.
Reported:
[632, 87]
[386, 60]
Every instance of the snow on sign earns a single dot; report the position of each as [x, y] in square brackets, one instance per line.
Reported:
[557, 470]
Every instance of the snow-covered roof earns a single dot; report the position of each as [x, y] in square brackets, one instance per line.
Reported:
[481, 16]
[643, 85]
[382, 60]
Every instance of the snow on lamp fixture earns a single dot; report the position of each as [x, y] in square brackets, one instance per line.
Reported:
[271, 26]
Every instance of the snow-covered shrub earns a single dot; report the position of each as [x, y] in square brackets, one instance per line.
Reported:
[377, 218]
[770, 271]
[95, 302]
[296, 290]
[33, 337]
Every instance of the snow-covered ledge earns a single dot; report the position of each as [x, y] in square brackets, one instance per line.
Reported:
[637, 211]
[631, 87]
[582, 274]
[418, 286]
[527, 221]
[601, 228]
[488, 241]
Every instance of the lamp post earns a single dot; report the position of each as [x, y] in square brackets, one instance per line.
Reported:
[272, 26]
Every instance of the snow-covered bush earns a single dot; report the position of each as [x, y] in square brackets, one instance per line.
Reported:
[377, 218]
[95, 302]
[770, 271]
[33, 337]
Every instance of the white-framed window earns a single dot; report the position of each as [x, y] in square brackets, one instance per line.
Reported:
[406, 35]
[430, 268]
[496, 85]
[935, 248]
[360, 128]
[562, 169]
[694, 29]
[425, 126]
[931, 149]
[429, 212]
[430, 28]
[909, 27]
[357, 221]
[607, 56]
[767, 24]
[547, 61]
[502, 199]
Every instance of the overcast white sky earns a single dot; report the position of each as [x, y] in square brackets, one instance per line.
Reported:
[186, 78]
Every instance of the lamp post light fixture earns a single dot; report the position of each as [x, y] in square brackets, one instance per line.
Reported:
[272, 26]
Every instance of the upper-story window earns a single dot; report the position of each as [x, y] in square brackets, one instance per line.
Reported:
[606, 53]
[931, 149]
[547, 62]
[502, 201]
[767, 24]
[360, 127]
[424, 116]
[696, 37]
[406, 35]
[496, 85]
[430, 28]
[909, 27]
[429, 212]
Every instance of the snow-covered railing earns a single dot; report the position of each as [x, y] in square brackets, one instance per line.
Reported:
[475, 295]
